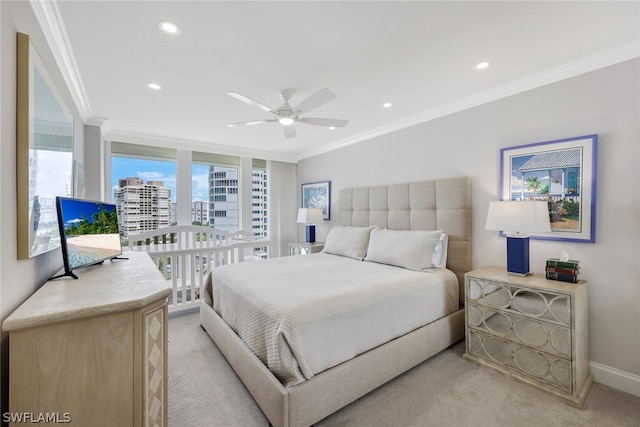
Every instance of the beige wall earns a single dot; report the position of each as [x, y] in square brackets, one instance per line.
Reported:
[604, 102]
[19, 279]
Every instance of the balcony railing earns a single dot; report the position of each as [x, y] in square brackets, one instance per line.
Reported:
[185, 255]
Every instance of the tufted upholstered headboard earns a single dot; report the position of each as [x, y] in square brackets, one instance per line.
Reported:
[441, 204]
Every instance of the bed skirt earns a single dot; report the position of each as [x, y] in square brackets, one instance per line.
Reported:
[309, 402]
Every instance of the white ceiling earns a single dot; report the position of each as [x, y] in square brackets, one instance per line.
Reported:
[418, 55]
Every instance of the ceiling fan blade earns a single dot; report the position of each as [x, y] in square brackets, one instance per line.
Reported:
[289, 131]
[250, 101]
[251, 122]
[319, 98]
[323, 122]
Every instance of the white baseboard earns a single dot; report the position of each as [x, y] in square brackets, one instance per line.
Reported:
[615, 378]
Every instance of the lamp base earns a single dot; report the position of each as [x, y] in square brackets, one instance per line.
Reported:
[510, 273]
[518, 255]
[311, 234]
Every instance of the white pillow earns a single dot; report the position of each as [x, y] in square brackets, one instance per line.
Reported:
[439, 258]
[410, 249]
[348, 241]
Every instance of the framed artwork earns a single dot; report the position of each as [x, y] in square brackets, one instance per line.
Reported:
[317, 195]
[44, 153]
[561, 172]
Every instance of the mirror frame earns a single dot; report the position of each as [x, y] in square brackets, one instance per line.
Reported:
[29, 228]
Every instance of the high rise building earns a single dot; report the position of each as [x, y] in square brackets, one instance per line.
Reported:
[142, 207]
[200, 212]
[223, 198]
[174, 213]
[259, 202]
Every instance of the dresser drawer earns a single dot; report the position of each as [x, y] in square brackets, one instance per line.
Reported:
[529, 302]
[537, 365]
[531, 328]
[547, 337]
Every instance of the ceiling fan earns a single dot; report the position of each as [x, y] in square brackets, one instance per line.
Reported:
[287, 115]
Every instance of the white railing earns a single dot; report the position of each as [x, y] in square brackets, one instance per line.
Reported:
[186, 261]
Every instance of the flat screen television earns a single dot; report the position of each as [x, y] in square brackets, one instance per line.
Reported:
[89, 233]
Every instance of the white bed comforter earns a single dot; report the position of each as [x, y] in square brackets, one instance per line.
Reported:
[303, 314]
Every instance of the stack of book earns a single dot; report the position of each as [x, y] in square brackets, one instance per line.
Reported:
[566, 271]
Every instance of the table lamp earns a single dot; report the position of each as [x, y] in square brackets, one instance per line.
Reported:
[310, 216]
[516, 219]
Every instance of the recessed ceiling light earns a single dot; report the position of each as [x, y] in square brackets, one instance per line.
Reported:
[332, 127]
[154, 86]
[387, 104]
[169, 28]
[482, 65]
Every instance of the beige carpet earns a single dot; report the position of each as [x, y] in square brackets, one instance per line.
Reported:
[443, 391]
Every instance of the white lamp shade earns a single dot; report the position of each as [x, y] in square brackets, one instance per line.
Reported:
[310, 216]
[518, 217]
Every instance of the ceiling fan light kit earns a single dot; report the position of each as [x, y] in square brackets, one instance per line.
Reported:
[287, 115]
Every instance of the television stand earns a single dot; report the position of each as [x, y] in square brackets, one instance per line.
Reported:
[101, 340]
[68, 273]
[71, 274]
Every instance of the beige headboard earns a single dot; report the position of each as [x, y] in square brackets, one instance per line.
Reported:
[442, 204]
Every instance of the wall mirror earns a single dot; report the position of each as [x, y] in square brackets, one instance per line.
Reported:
[44, 153]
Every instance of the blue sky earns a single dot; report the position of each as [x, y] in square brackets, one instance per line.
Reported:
[158, 170]
[200, 182]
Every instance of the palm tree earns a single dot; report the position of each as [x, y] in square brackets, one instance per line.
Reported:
[533, 184]
[101, 217]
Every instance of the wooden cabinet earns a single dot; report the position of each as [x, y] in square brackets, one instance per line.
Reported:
[531, 328]
[94, 350]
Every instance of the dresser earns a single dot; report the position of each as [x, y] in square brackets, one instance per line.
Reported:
[531, 328]
[93, 351]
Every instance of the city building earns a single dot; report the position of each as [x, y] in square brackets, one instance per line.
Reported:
[223, 198]
[200, 212]
[142, 207]
[259, 202]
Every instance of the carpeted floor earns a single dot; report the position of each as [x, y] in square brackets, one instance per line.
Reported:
[443, 391]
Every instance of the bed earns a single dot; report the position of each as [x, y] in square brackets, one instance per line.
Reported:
[307, 390]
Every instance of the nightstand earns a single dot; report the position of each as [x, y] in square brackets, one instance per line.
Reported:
[303, 248]
[531, 328]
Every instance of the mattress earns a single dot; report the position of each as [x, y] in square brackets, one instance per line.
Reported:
[304, 314]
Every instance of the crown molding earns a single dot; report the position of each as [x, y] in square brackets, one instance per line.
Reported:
[161, 141]
[101, 122]
[587, 64]
[49, 19]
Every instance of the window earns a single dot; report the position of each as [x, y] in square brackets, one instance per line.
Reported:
[143, 182]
